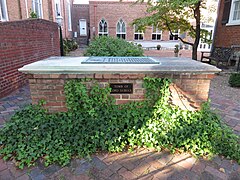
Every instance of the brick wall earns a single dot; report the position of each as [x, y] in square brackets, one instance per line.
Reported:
[80, 11]
[23, 42]
[18, 10]
[112, 12]
[188, 90]
[225, 36]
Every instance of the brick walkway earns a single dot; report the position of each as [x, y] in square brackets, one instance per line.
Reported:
[142, 164]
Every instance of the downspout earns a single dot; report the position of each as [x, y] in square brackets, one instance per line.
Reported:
[95, 17]
[26, 6]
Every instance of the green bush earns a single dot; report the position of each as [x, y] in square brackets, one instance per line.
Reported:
[69, 45]
[94, 123]
[109, 46]
[234, 80]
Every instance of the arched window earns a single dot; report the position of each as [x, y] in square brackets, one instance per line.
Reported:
[102, 28]
[121, 29]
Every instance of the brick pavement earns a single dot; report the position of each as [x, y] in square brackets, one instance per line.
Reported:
[140, 164]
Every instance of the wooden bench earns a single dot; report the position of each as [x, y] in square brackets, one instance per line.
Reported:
[218, 54]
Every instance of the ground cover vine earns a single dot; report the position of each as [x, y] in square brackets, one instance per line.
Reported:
[94, 123]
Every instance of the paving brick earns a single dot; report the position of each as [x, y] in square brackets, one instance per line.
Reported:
[62, 174]
[198, 167]
[23, 177]
[6, 175]
[98, 163]
[107, 172]
[164, 173]
[206, 176]
[116, 177]
[165, 158]
[16, 172]
[3, 165]
[51, 170]
[115, 166]
[128, 164]
[126, 174]
[83, 168]
[227, 165]
[35, 173]
[216, 173]
[237, 127]
[141, 169]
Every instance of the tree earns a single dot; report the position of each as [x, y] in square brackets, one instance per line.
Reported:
[172, 15]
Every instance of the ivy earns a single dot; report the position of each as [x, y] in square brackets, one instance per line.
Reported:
[95, 123]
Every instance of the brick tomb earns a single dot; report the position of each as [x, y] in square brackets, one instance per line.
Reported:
[190, 87]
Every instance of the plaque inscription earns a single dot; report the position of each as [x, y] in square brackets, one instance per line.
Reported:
[121, 88]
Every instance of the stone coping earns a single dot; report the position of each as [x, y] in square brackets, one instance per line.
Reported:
[73, 65]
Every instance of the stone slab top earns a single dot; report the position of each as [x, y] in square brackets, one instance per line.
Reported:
[74, 65]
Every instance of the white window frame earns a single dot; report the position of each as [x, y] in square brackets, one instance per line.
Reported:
[102, 33]
[231, 21]
[69, 16]
[4, 13]
[174, 33]
[138, 33]
[39, 7]
[157, 32]
[121, 32]
[58, 10]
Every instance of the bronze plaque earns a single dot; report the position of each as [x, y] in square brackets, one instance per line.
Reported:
[121, 88]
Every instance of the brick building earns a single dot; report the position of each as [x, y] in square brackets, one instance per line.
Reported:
[228, 24]
[114, 18]
[11, 10]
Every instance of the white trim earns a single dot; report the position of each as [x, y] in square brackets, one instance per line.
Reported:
[58, 3]
[232, 22]
[121, 33]
[174, 34]
[26, 6]
[40, 9]
[157, 32]
[139, 33]
[69, 16]
[5, 11]
[102, 33]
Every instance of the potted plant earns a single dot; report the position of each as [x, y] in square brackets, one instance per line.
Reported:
[158, 47]
[176, 50]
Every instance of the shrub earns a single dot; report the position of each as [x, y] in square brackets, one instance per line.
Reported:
[109, 46]
[94, 123]
[69, 45]
[234, 80]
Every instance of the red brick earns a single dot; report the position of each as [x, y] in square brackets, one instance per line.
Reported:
[54, 76]
[122, 101]
[26, 41]
[3, 165]
[132, 76]
[125, 96]
[98, 76]
[116, 96]
[135, 96]
[82, 76]
[41, 76]
[111, 76]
